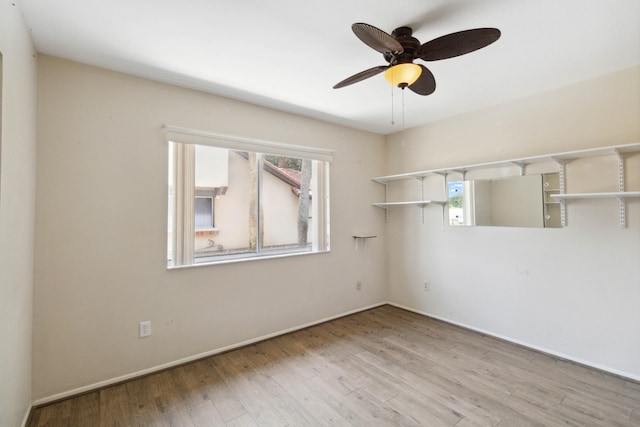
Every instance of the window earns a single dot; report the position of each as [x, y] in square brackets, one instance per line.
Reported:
[232, 199]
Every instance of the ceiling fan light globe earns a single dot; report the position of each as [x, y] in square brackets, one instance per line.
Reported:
[403, 75]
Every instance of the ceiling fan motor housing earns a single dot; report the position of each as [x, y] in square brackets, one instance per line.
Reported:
[410, 46]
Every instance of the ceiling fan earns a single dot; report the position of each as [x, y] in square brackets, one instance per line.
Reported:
[400, 49]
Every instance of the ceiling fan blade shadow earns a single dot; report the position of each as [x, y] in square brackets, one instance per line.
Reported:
[376, 39]
[459, 43]
[426, 83]
[361, 76]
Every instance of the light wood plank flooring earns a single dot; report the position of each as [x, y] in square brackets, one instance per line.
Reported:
[382, 367]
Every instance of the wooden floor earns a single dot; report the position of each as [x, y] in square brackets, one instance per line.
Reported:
[382, 367]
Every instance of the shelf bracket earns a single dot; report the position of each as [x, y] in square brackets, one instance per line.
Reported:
[522, 166]
[386, 213]
[621, 201]
[620, 171]
[623, 212]
[462, 172]
[386, 209]
[421, 179]
[563, 205]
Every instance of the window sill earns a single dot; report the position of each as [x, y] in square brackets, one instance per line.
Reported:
[231, 259]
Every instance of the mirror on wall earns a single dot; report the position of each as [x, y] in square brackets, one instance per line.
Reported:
[517, 201]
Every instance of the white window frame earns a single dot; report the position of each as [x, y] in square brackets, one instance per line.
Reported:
[187, 137]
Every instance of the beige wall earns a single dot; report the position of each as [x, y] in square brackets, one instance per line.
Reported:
[17, 199]
[100, 246]
[570, 291]
[598, 112]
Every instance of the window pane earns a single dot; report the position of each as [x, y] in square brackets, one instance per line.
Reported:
[232, 200]
[171, 207]
[286, 203]
[204, 212]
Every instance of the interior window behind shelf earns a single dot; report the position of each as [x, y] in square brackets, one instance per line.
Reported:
[227, 204]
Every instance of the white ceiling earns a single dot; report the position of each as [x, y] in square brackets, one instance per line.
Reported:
[287, 54]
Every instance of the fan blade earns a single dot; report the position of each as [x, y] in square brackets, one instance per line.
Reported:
[426, 83]
[361, 76]
[456, 44]
[376, 39]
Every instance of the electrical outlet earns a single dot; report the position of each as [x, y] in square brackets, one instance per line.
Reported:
[358, 285]
[426, 286]
[145, 328]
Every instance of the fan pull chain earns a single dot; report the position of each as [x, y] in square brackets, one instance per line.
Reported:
[393, 122]
[402, 109]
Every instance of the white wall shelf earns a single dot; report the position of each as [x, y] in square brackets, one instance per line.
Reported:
[620, 195]
[521, 162]
[418, 203]
[362, 237]
[610, 195]
[560, 158]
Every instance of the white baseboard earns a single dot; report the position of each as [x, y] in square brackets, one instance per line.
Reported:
[26, 416]
[524, 344]
[143, 372]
